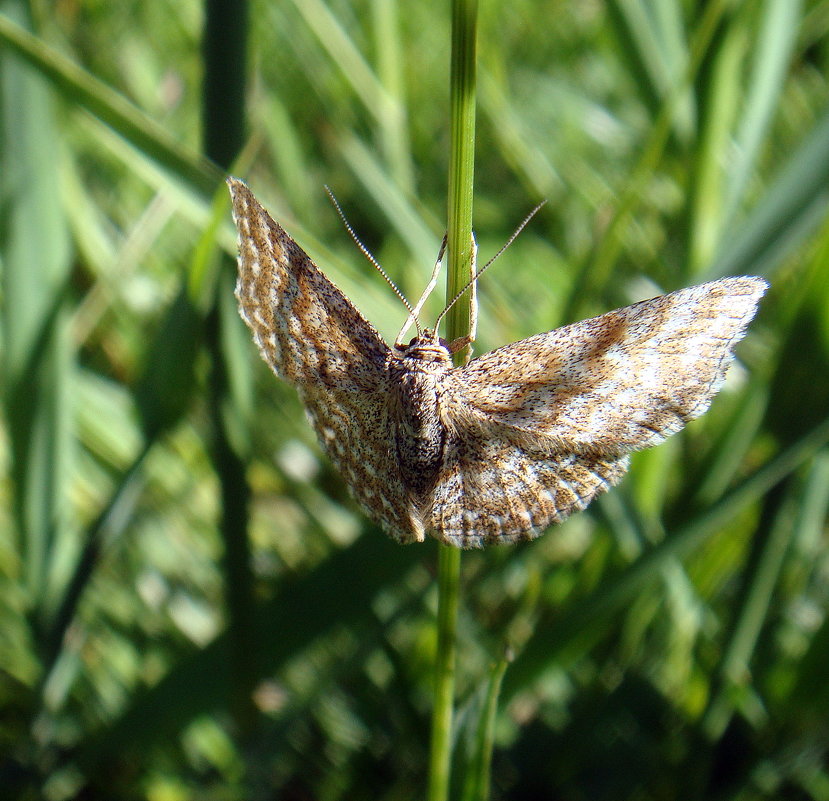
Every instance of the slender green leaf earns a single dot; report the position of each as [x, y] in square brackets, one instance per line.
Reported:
[82, 88]
[38, 355]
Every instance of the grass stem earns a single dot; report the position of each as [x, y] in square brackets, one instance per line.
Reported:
[461, 173]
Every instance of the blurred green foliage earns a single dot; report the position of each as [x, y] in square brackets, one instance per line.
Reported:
[671, 642]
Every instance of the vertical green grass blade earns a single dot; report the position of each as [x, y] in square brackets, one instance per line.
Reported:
[653, 39]
[793, 206]
[723, 89]
[770, 55]
[37, 344]
[440, 747]
[394, 131]
[459, 237]
[461, 165]
[224, 48]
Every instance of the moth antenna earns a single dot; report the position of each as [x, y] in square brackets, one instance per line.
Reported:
[365, 251]
[478, 273]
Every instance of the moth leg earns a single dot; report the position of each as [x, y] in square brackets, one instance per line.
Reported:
[459, 344]
[473, 304]
[424, 296]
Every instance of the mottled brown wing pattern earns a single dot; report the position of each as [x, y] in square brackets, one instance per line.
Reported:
[612, 384]
[312, 335]
[543, 425]
[521, 437]
[356, 439]
[492, 491]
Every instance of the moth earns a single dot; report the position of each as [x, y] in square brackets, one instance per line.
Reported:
[519, 438]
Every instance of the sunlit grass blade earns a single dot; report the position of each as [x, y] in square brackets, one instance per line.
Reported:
[723, 87]
[38, 355]
[770, 55]
[399, 209]
[598, 268]
[79, 87]
[653, 37]
[361, 77]
[107, 527]
[517, 140]
[793, 206]
[391, 71]
[293, 174]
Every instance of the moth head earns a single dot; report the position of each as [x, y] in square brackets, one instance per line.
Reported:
[426, 347]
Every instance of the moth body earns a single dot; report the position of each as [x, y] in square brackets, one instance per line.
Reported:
[415, 375]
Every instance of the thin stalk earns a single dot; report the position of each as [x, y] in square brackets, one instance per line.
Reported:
[461, 168]
[461, 173]
[224, 48]
[476, 783]
[440, 752]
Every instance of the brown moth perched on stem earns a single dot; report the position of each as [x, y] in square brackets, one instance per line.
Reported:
[519, 438]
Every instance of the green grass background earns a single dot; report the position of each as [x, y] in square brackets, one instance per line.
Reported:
[157, 642]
